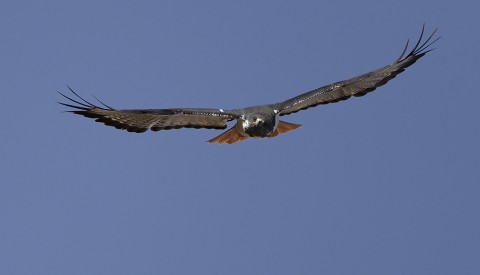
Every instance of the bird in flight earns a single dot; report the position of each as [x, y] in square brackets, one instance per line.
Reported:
[258, 121]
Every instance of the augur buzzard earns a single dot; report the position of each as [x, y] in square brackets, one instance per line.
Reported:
[257, 121]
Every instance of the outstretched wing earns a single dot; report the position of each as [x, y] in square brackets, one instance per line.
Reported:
[139, 121]
[360, 85]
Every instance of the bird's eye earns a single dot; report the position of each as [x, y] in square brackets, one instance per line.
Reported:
[255, 118]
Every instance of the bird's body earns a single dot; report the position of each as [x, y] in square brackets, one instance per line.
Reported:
[258, 121]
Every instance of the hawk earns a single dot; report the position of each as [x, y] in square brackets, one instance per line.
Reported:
[257, 121]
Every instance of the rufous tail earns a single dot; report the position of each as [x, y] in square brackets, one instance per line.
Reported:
[229, 137]
[284, 127]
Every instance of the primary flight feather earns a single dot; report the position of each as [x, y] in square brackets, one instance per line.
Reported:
[257, 121]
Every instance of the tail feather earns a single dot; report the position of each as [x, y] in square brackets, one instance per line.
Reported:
[229, 137]
[233, 135]
[284, 127]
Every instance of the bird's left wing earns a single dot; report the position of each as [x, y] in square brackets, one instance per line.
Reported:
[358, 86]
[141, 120]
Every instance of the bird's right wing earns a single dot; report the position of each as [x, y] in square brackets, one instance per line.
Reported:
[141, 120]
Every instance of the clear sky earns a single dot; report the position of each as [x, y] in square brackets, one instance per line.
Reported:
[383, 184]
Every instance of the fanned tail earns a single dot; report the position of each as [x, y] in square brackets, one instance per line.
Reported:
[284, 127]
[229, 137]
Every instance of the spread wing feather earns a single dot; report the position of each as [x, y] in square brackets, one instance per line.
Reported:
[360, 85]
[141, 120]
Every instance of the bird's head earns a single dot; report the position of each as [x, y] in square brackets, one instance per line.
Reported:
[254, 119]
[258, 124]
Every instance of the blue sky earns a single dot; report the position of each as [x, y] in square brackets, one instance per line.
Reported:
[383, 184]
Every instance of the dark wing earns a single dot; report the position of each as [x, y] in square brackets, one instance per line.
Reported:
[139, 121]
[358, 86]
